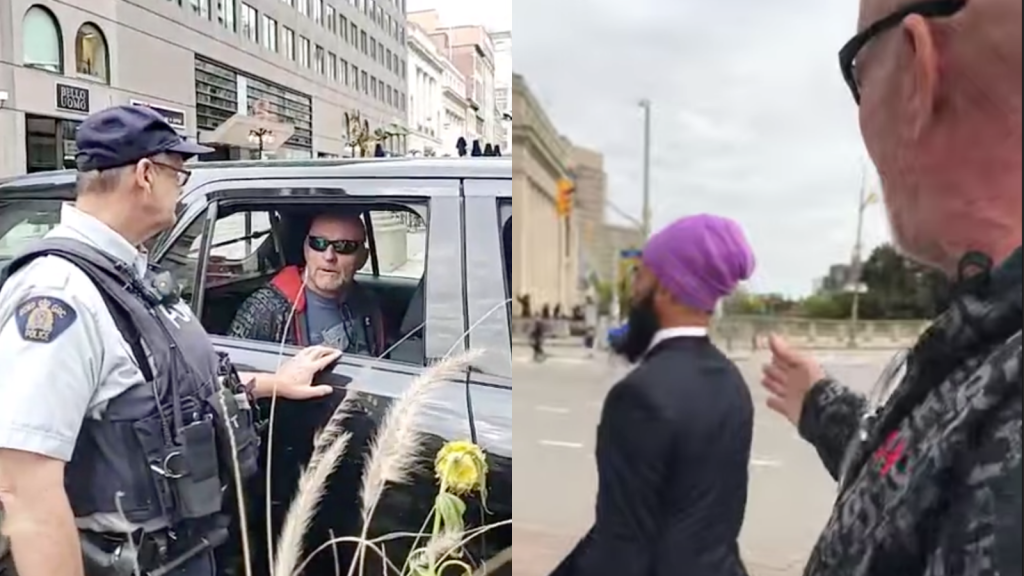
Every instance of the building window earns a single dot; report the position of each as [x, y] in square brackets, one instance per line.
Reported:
[269, 33]
[202, 7]
[289, 2]
[318, 11]
[331, 19]
[354, 34]
[42, 41]
[318, 60]
[288, 39]
[344, 72]
[332, 63]
[389, 60]
[364, 81]
[343, 27]
[304, 51]
[394, 63]
[373, 49]
[226, 14]
[363, 42]
[250, 20]
[91, 56]
[373, 87]
[303, 6]
[355, 77]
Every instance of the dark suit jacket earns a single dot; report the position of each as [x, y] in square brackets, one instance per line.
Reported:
[673, 454]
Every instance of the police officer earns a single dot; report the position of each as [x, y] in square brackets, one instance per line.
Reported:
[114, 406]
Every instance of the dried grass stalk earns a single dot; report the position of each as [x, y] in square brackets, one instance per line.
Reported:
[394, 449]
[329, 449]
[494, 564]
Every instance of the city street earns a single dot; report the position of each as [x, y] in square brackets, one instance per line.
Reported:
[560, 404]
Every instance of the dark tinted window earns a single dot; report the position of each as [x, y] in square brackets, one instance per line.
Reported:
[506, 242]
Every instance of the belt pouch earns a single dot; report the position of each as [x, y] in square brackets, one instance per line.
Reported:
[198, 489]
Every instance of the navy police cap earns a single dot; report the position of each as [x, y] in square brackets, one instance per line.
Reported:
[123, 135]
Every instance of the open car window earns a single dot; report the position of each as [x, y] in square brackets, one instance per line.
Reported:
[24, 221]
[252, 244]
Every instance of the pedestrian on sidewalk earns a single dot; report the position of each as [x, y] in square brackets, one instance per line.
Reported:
[929, 464]
[673, 446]
[538, 333]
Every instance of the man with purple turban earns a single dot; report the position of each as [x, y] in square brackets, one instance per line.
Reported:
[673, 446]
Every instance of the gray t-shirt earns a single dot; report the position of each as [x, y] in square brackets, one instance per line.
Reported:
[326, 321]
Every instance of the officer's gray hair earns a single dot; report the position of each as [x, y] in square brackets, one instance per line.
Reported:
[103, 181]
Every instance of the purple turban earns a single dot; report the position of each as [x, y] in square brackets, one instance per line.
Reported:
[700, 260]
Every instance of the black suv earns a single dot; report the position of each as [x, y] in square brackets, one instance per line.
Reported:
[440, 234]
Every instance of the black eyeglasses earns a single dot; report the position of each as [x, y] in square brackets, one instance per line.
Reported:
[181, 174]
[343, 247]
[929, 9]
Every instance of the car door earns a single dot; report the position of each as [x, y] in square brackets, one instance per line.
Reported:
[488, 254]
[375, 384]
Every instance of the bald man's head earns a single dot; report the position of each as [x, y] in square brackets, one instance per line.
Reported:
[335, 250]
[941, 116]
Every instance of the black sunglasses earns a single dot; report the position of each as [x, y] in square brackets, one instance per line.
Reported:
[928, 9]
[343, 247]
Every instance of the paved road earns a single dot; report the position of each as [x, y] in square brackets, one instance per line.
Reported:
[560, 402]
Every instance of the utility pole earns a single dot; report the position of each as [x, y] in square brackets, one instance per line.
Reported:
[858, 258]
[645, 104]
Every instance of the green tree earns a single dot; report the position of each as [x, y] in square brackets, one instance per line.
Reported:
[745, 303]
[827, 307]
[899, 289]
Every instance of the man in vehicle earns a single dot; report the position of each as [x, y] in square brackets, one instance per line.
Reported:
[929, 465]
[673, 445]
[321, 302]
[114, 405]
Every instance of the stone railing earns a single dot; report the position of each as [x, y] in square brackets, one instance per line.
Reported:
[745, 333]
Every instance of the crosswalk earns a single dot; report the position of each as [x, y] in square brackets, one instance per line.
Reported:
[577, 360]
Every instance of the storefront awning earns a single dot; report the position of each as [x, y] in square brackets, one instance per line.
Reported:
[247, 132]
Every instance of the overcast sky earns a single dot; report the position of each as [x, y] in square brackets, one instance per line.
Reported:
[751, 116]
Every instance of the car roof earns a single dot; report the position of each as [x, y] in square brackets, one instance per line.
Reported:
[203, 172]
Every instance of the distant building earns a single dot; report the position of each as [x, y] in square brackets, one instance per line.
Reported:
[545, 254]
[587, 169]
[503, 84]
[259, 77]
[472, 50]
[839, 279]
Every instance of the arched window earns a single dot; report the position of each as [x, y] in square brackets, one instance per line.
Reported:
[41, 41]
[91, 56]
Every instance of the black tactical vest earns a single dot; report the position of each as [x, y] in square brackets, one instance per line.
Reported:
[161, 452]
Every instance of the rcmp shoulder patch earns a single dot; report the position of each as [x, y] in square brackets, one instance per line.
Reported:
[43, 319]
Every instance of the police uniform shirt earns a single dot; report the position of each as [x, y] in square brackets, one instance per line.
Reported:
[62, 354]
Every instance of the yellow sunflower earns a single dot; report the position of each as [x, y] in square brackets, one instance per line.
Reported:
[461, 467]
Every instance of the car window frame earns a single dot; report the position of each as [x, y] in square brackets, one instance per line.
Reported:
[486, 313]
[505, 216]
[444, 335]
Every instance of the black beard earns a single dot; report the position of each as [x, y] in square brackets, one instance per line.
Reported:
[642, 328]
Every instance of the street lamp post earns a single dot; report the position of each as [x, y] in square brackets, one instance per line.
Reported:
[260, 138]
[866, 200]
[645, 104]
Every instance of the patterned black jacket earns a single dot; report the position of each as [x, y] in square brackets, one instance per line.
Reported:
[930, 484]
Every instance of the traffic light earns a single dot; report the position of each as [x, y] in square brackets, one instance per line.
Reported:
[563, 201]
